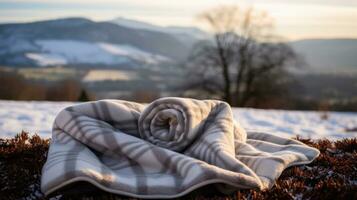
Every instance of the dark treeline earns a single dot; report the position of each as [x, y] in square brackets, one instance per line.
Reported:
[13, 86]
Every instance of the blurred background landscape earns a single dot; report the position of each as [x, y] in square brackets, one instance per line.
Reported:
[287, 67]
[299, 55]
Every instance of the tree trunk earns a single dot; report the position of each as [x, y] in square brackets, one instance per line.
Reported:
[242, 66]
[248, 89]
[225, 71]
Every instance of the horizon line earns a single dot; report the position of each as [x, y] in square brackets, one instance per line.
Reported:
[163, 26]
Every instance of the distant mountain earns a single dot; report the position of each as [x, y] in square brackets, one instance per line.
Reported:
[328, 55]
[188, 35]
[82, 41]
[125, 42]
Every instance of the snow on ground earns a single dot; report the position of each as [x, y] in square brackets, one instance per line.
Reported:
[308, 124]
[32, 116]
[45, 59]
[37, 117]
[57, 52]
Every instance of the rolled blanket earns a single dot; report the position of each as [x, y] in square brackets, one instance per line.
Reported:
[174, 123]
[163, 150]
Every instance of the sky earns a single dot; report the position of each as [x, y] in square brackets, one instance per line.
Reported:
[294, 19]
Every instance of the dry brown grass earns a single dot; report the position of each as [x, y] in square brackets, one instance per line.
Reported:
[333, 175]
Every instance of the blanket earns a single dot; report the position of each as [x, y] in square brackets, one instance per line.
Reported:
[164, 149]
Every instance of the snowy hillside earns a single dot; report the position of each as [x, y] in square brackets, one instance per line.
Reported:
[79, 41]
[62, 52]
[122, 41]
[37, 117]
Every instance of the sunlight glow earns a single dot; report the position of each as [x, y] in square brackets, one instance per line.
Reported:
[293, 19]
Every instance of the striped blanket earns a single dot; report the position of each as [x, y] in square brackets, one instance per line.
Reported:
[163, 150]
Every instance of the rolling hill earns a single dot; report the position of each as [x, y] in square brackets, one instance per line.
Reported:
[187, 35]
[328, 55]
[82, 41]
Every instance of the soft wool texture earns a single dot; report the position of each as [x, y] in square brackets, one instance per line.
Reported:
[164, 150]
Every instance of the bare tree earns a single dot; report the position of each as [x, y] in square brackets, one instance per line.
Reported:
[242, 50]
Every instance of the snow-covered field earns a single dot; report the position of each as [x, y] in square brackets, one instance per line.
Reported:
[37, 117]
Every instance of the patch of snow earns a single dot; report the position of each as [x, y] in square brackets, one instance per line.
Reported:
[31, 116]
[58, 52]
[307, 124]
[298, 196]
[79, 52]
[45, 59]
[133, 53]
[38, 116]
